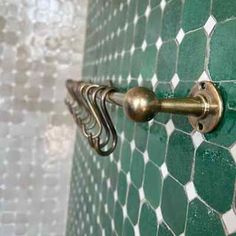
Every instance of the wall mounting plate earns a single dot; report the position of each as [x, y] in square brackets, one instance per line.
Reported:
[214, 107]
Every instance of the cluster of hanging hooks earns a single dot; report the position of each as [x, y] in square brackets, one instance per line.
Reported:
[87, 104]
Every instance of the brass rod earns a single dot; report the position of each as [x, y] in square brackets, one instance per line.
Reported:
[114, 97]
[186, 106]
[203, 105]
[117, 98]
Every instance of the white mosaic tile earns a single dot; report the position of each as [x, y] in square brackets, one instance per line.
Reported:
[164, 170]
[148, 10]
[159, 215]
[180, 36]
[106, 208]
[204, 77]
[145, 157]
[112, 224]
[122, 54]
[191, 191]
[124, 209]
[135, 19]
[197, 138]
[115, 195]
[132, 49]
[132, 145]
[122, 136]
[140, 80]
[175, 80]
[121, 6]
[144, 45]
[128, 177]
[170, 127]
[210, 24]
[159, 43]
[141, 194]
[163, 4]
[154, 81]
[112, 157]
[233, 151]
[136, 230]
[150, 123]
[129, 78]
[229, 219]
[119, 166]
[126, 27]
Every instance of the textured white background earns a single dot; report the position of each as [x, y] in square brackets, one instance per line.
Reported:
[41, 45]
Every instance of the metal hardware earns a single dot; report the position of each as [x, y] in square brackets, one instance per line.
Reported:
[213, 107]
[203, 107]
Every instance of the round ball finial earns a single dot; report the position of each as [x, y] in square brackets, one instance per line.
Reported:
[137, 104]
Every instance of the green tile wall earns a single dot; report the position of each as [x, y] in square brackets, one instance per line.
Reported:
[163, 178]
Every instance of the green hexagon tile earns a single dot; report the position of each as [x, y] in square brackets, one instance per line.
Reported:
[163, 178]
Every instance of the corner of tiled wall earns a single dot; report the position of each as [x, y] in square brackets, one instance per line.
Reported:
[164, 178]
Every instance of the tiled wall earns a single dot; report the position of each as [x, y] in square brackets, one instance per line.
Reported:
[164, 178]
[41, 44]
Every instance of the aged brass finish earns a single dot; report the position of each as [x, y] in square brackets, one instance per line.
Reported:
[141, 104]
[82, 101]
[203, 107]
[213, 107]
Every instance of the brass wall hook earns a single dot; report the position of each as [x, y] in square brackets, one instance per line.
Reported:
[203, 107]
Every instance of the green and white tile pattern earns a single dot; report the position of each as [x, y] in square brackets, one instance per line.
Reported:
[163, 178]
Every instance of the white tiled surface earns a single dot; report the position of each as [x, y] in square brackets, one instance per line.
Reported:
[41, 44]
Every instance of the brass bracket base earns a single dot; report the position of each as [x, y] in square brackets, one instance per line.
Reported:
[213, 107]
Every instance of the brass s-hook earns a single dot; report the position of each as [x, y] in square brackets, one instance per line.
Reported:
[93, 112]
[112, 130]
[101, 116]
